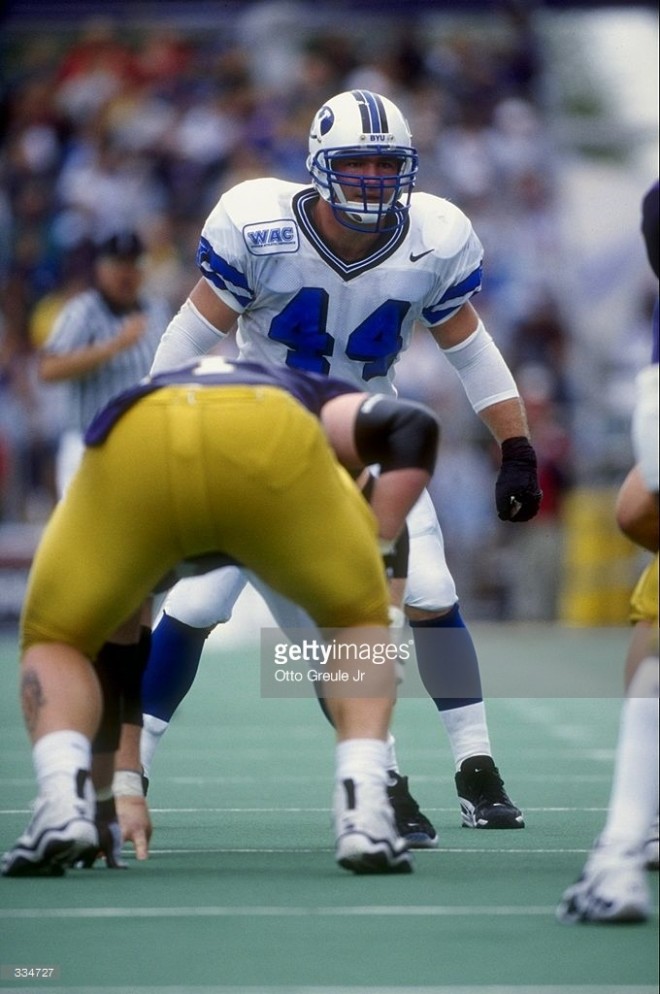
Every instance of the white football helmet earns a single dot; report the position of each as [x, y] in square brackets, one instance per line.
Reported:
[358, 124]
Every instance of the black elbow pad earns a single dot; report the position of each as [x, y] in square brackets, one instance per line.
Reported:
[396, 434]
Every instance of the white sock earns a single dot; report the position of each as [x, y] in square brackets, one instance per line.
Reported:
[153, 730]
[361, 760]
[60, 755]
[467, 731]
[392, 761]
[634, 796]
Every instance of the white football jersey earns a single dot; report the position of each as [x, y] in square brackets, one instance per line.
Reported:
[301, 305]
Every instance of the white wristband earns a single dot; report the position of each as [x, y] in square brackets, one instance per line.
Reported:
[127, 783]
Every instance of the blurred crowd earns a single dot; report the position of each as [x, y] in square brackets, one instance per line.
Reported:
[115, 126]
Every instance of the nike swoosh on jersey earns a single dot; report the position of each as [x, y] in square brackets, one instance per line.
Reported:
[414, 258]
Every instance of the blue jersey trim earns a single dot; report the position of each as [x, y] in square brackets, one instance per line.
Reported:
[470, 285]
[221, 274]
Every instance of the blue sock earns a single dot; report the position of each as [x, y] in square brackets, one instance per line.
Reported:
[176, 650]
[447, 661]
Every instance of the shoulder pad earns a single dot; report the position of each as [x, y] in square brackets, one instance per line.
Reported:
[442, 225]
[259, 200]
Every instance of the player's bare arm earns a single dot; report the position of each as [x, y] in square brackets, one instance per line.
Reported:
[131, 804]
[401, 437]
[637, 511]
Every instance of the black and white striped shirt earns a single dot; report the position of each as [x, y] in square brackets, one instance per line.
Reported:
[88, 320]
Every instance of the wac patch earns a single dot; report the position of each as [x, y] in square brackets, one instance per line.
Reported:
[271, 237]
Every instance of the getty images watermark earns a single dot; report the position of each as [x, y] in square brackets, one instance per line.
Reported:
[440, 663]
[337, 664]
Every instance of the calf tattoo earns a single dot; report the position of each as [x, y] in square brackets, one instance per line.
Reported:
[32, 699]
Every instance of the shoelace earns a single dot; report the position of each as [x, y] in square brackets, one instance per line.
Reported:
[490, 787]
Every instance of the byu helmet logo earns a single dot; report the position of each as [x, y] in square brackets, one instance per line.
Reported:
[326, 119]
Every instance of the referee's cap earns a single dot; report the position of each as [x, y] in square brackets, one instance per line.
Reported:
[122, 245]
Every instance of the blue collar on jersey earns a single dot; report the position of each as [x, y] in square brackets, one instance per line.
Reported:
[387, 245]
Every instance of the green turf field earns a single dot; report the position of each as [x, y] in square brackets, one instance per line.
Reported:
[242, 894]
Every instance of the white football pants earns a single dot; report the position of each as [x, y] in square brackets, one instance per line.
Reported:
[208, 600]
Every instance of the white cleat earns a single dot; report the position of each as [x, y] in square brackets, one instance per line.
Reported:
[367, 840]
[652, 847]
[612, 889]
[61, 831]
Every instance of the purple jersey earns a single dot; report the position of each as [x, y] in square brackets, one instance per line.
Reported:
[311, 390]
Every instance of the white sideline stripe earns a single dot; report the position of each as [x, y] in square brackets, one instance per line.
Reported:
[277, 989]
[282, 911]
[257, 850]
[435, 781]
[321, 849]
[298, 811]
[326, 810]
[278, 810]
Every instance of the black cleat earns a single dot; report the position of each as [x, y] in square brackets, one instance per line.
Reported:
[411, 824]
[484, 801]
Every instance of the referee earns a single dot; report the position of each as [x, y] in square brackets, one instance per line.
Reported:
[102, 342]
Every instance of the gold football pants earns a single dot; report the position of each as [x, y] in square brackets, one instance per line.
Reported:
[644, 600]
[193, 470]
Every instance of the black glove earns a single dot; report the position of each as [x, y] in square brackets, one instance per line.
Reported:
[517, 492]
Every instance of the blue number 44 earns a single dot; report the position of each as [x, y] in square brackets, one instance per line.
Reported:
[376, 341]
